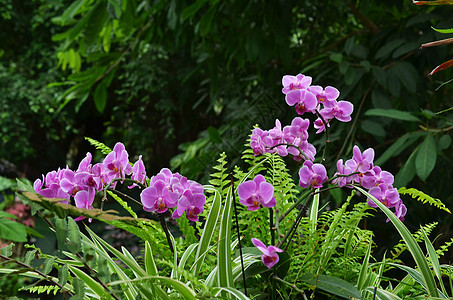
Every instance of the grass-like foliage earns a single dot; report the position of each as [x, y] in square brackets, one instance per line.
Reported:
[424, 198]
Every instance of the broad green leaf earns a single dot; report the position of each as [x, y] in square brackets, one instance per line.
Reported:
[207, 20]
[380, 75]
[426, 157]
[336, 57]
[388, 48]
[100, 97]
[47, 266]
[71, 11]
[444, 142]
[411, 243]
[373, 128]
[63, 274]
[407, 74]
[393, 82]
[7, 251]
[73, 234]
[333, 285]
[192, 9]
[397, 147]
[407, 172]
[392, 113]
[11, 230]
[406, 48]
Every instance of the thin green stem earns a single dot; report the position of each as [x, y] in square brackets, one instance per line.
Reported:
[239, 234]
[324, 151]
[291, 145]
[291, 285]
[271, 218]
[167, 233]
[293, 227]
[44, 276]
[297, 203]
[126, 196]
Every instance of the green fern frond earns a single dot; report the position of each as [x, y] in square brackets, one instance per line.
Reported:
[220, 178]
[187, 230]
[401, 246]
[444, 248]
[424, 198]
[99, 146]
[41, 289]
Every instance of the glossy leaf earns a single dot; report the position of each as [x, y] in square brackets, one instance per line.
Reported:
[426, 157]
[412, 245]
[442, 67]
[333, 285]
[436, 2]
[392, 113]
[407, 171]
[443, 30]
[100, 97]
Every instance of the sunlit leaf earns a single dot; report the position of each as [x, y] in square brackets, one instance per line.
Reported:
[436, 2]
[442, 67]
[426, 157]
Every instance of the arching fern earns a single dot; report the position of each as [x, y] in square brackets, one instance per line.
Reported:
[424, 198]
[99, 146]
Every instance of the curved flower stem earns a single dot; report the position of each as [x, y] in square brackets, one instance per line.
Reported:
[293, 286]
[326, 129]
[304, 197]
[341, 175]
[44, 276]
[239, 234]
[125, 196]
[289, 235]
[126, 180]
[291, 145]
[167, 233]
[96, 277]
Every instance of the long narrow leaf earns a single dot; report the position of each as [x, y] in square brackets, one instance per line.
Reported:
[96, 287]
[179, 286]
[238, 294]
[411, 243]
[434, 260]
[314, 211]
[363, 275]
[208, 230]
[150, 265]
[224, 261]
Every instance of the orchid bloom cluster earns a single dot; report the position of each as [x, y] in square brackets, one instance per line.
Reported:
[165, 190]
[83, 183]
[314, 99]
[361, 170]
[293, 140]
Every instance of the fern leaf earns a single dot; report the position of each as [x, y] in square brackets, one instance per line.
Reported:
[187, 230]
[424, 198]
[401, 246]
[41, 289]
[99, 146]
